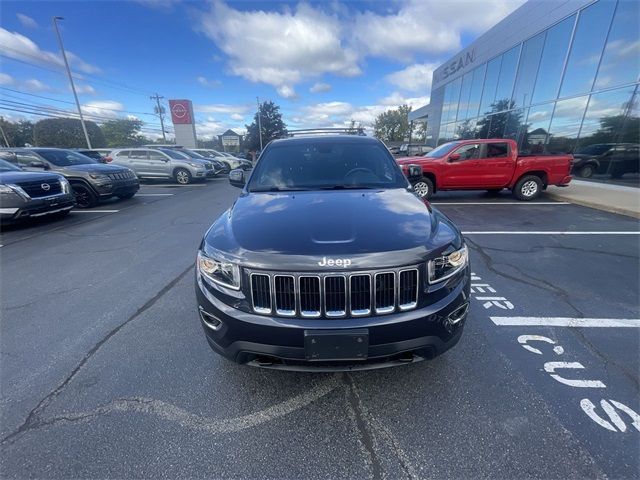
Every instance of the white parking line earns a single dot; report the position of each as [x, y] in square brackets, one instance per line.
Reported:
[173, 185]
[566, 322]
[525, 232]
[500, 203]
[95, 211]
[154, 194]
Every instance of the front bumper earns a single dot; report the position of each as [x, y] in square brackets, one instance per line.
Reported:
[277, 342]
[113, 189]
[36, 207]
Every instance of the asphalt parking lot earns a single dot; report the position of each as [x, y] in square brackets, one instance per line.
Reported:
[105, 371]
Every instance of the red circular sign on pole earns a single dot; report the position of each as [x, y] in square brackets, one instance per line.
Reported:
[180, 111]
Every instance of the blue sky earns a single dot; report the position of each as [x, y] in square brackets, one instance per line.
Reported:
[324, 63]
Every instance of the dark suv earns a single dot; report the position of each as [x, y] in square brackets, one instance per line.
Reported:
[328, 260]
[91, 181]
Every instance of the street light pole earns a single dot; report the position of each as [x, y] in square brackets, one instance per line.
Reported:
[259, 125]
[73, 87]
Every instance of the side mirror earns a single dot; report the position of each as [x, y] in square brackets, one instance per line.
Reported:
[414, 171]
[37, 164]
[454, 157]
[236, 178]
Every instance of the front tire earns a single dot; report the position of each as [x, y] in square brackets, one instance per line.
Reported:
[182, 176]
[84, 196]
[586, 171]
[424, 188]
[528, 188]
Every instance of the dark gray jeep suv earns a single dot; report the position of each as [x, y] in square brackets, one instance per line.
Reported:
[91, 181]
[328, 260]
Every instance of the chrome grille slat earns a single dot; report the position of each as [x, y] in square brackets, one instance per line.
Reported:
[335, 295]
[261, 292]
[285, 295]
[310, 299]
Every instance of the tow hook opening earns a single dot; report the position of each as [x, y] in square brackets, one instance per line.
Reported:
[458, 314]
[209, 320]
[406, 357]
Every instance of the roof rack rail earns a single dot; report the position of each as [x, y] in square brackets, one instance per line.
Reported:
[326, 131]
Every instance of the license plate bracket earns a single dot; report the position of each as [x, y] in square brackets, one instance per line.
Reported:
[330, 345]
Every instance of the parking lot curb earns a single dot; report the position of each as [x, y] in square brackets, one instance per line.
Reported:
[595, 205]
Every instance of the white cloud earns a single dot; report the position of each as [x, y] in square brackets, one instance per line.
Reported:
[396, 99]
[285, 91]
[20, 47]
[6, 79]
[210, 127]
[85, 89]
[280, 48]
[34, 85]
[414, 78]
[426, 26]
[103, 108]
[236, 116]
[208, 83]
[320, 87]
[26, 21]
[221, 108]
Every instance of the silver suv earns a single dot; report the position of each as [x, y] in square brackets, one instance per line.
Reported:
[230, 160]
[162, 163]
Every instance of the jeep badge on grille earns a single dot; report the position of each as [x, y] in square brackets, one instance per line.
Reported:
[338, 262]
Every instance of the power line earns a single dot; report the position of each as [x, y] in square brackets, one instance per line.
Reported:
[71, 103]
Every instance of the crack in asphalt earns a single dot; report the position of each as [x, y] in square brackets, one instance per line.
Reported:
[373, 432]
[32, 416]
[564, 296]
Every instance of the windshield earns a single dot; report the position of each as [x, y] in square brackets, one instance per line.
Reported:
[191, 154]
[64, 158]
[597, 149]
[442, 150]
[326, 165]
[174, 154]
[8, 167]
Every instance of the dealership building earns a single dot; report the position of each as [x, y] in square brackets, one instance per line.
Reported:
[557, 76]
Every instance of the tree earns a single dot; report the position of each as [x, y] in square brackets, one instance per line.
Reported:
[272, 126]
[66, 133]
[123, 133]
[18, 133]
[393, 125]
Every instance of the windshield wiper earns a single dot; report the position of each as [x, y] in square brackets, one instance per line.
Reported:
[278, 189]
[348, 187]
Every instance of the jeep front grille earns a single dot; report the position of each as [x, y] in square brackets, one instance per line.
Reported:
[334, 295]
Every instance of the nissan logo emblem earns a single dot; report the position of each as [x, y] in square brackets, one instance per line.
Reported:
[45, 186]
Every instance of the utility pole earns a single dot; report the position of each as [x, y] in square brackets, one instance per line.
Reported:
[73, 87]
[259, 125]
[2, 131]
[160, 114]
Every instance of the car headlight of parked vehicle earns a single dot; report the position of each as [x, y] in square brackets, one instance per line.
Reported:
[220, 272]
[448, 265]
[64, 185]
[9, 188]
[100, 178]
[196, 165]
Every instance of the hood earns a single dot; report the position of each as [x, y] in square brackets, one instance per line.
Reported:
[373, 228]
[19, 177]
[94, 168]
[409, 160]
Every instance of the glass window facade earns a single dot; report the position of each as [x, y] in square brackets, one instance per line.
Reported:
[570, 88]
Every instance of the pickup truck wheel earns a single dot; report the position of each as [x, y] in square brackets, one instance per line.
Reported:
[528, 187]
[586, 171]
[424, 187]
[183, 177]
[84, 196]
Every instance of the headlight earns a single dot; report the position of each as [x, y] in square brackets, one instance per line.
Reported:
[10, 188]
[444, 267]
[6, 189]
[223, 273]
[196, 165]
[64, 185]
[99, 176]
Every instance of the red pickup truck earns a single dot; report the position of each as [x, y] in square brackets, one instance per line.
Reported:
[491, 164]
